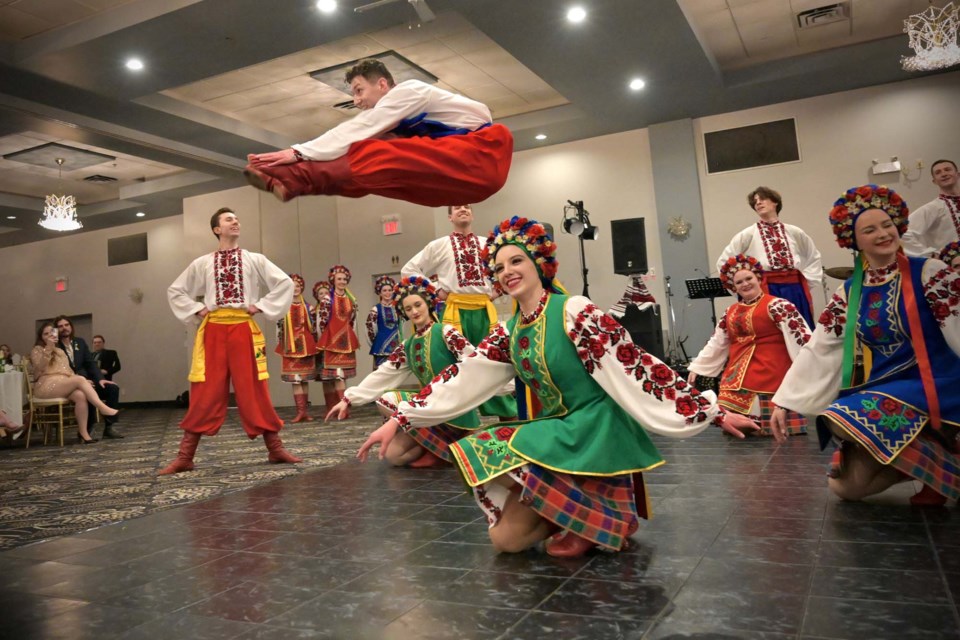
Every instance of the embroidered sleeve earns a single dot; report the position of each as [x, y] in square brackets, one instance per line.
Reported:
[391, 374]
[794, 328]
[461, 387]
[713, 357]
[942, 291]
[645, 387]
[808, 257]
[458, 345]
[834, 315]
[323, 314]
[813, 380]
[495, 346]
[372, 324]
[738, 244]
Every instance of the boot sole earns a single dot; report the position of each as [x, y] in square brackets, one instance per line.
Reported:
[259, 180]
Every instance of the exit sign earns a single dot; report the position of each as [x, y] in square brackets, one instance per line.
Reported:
[391, 225]
[60, 285]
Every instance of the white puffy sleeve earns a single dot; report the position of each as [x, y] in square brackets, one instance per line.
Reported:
[713, 357]
[424, 264]
[794, 328]
[914, 241]
[808, 258]
[402, 101]
[813, 380]
[646, 388]
[275, 303]
[463, 386]
[942, 290]
[392, 374]
[182, 294]
[739, 244]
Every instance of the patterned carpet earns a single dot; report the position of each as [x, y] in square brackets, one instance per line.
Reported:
[48, 491]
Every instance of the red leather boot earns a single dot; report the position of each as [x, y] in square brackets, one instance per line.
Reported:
[184, 459]
[302, 402]
[275, 446]
[928, 498]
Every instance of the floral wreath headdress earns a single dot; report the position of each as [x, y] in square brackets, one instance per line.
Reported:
[338, 268]
[532, 237]
[296, 277]
[855, 201]
[949, 252]
[414, 285]
[738, 263]
[381, 282]
[322, 285]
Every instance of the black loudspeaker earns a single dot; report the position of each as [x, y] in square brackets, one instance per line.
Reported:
[629, 246]
[644, 329]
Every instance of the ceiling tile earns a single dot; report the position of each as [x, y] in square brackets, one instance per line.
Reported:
[17, 25]
[58, 12]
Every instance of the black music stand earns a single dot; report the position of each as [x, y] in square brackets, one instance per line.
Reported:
[711, 288]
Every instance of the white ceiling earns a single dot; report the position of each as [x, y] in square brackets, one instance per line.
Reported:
[741, 33]
[21, 19]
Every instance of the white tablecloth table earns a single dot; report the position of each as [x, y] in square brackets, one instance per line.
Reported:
[11, 395]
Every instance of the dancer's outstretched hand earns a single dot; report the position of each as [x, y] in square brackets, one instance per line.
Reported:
[735, 424]
[340, 409]
[382, 436]
[778, 422]
[272, 159]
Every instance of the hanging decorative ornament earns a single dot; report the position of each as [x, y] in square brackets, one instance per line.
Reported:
[933, 37]
[60, 212]
[678, 228]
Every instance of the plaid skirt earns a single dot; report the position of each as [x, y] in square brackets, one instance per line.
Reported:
[927, 460]
[760, 409]
[436, 439]
[605, 511]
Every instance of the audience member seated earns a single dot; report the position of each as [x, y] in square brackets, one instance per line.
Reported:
[81, 361]
[6, 355]
[55, 379]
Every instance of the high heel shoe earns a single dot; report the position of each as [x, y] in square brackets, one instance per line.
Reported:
[90, 441]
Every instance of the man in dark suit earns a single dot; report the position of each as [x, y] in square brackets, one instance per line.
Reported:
[82, 362]
[106, 360]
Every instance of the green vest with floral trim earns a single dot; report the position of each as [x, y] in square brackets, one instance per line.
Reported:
[427, 356]
[576, 427]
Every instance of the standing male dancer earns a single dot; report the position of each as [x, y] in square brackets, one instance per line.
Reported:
[229, 345]
[411, 141]
[455, 259]
[937, 223]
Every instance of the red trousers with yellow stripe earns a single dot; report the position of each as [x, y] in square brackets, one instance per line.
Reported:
[229, 358]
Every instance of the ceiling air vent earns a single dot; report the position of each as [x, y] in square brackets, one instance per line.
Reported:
[826, 14]
[99, 178]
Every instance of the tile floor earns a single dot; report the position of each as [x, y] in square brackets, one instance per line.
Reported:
[745, 543]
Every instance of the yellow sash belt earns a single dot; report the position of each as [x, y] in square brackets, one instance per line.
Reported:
[198, 371]
[467, 302]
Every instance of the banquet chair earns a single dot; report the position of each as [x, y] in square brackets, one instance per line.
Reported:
[48, 413]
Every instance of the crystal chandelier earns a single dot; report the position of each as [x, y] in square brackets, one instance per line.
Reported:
[60, 212]
[933, 37]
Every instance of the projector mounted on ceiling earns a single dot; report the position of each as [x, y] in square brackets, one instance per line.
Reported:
[420, 6]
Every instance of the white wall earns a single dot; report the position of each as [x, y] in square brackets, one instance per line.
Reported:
[839, 136]
[143, 334]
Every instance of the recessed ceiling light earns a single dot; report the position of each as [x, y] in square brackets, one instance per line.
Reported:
[636, 84]
[140, 214]
[541, 136]
[576, 14]
[134, 64]
[327, 6]
[11, 217]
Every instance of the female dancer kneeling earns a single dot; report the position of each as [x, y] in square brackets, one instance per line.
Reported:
[55, 379]
[422, 356]
[897, 419]
[572, 465]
